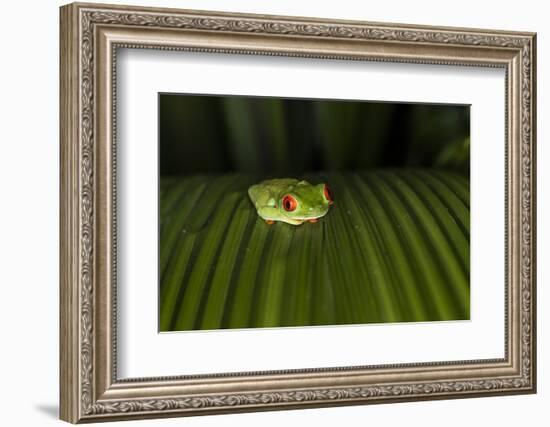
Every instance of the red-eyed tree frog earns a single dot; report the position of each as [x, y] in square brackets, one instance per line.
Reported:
[290, 200]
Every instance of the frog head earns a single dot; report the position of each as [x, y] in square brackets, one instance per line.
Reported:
[304, 202]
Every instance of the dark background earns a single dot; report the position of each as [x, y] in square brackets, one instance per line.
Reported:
[282, 136]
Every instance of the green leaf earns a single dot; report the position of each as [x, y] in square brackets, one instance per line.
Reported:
[455, 156]
[394, 248]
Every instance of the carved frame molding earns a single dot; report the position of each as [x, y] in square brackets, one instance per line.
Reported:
[90, 37]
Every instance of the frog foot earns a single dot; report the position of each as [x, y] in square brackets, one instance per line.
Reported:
[314, 220]
[269, 221]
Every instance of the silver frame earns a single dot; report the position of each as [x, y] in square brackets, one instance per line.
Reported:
[90, 37]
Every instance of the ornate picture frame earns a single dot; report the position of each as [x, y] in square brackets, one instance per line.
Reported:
[90, 37]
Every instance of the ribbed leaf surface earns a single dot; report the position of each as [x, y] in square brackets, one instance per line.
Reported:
[395, 248]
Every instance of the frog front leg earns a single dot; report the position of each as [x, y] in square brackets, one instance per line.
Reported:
[272, 214]
[268, 214]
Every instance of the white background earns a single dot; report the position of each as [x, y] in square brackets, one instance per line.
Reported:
[29, 175]
[143, 352]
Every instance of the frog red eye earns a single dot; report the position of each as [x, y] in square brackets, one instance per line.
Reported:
[328, 194]
[289, 203]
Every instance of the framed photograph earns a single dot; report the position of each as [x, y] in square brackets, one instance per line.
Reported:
[267, 212]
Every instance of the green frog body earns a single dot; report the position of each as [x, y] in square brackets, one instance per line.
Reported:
[290, 200]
